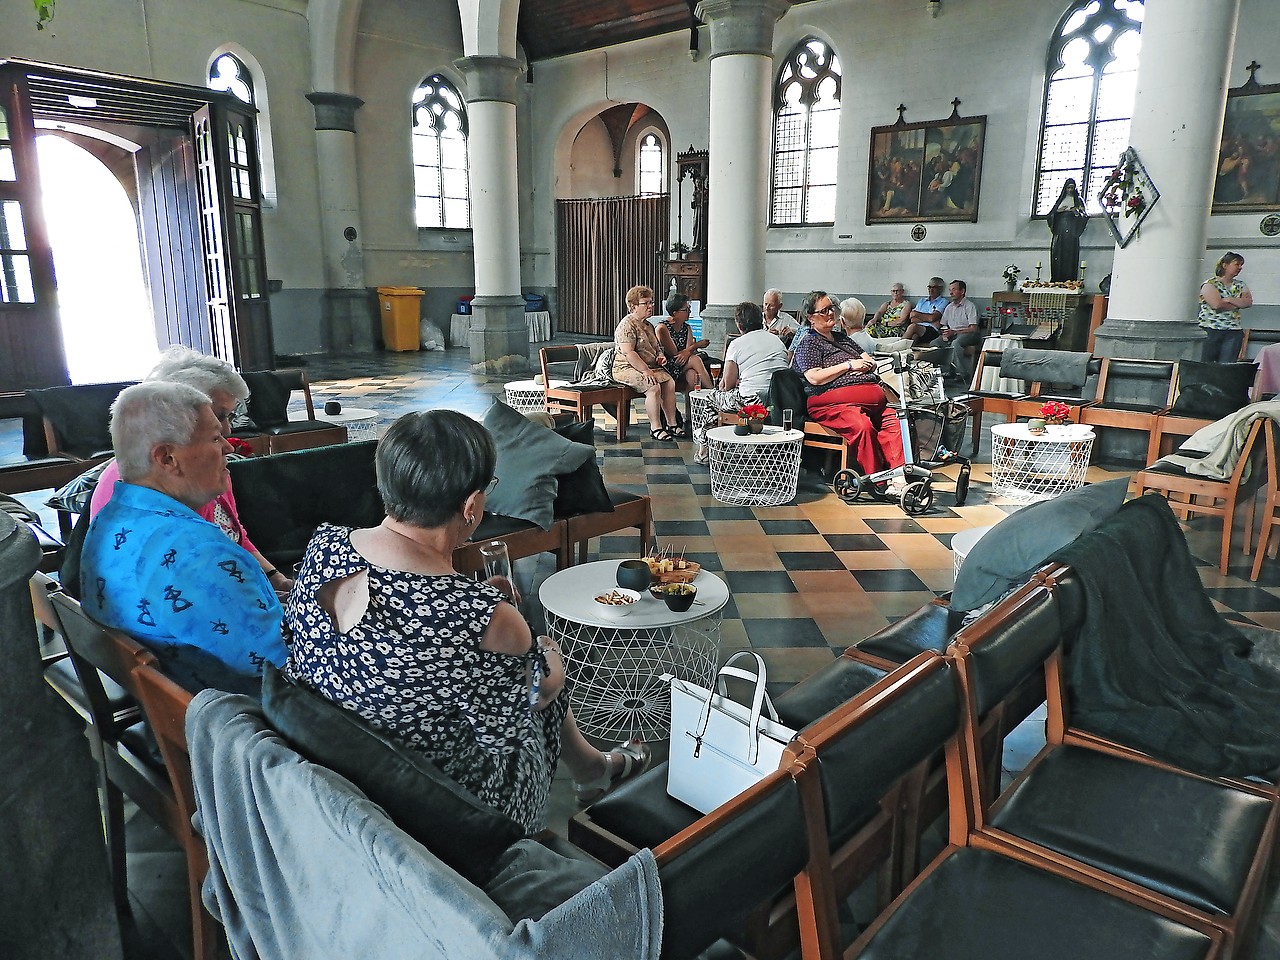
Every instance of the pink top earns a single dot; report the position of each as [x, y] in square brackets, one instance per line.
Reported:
[1268, 361]
[220, 511]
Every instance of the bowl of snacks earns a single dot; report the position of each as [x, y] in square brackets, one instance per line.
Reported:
[634, 574]
[616, 603]
[678, 597]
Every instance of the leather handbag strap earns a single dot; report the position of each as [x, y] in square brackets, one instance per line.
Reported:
[759, 699]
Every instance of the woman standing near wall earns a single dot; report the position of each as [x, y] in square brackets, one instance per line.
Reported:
[1222, 297]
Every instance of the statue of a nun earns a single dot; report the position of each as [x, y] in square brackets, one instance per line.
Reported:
[1067, 221]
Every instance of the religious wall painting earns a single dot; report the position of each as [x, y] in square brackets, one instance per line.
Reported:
[1248, 174]
[927, 171]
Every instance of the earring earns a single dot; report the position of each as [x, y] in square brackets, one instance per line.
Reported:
[470, 518]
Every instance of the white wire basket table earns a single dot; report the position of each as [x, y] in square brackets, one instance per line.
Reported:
[758, 470]
[615, 667]
[702, 410]
[528, 396]
[1027, 466]
[361, 422]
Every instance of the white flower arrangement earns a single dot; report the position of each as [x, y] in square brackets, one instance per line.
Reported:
[1011, 273]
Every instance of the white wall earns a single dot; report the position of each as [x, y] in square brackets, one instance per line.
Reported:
[990, 55]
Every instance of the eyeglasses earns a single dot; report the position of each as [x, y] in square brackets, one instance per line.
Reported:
[644, 303]
[488, 489]
[239, 410]
[829, 309]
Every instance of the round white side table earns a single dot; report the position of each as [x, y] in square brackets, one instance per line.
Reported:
[361, 422]
[615, 667]
[962, 543]
[758, 470]
[1027, 466]
[528, 396]
[702, 410]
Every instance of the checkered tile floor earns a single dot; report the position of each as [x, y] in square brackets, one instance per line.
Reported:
[806, 579]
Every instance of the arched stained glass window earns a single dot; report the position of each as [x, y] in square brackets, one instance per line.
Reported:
[1092, 74]
[229, 74]
[651, 166]
[806, 136]
[442, 196]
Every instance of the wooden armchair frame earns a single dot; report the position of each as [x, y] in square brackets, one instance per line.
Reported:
[985, 801]
[1132, 414]
[581, 401]
[1191, 495]
[1170, 425]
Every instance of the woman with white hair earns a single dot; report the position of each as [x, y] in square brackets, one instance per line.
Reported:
[155, 569]
[227, 391]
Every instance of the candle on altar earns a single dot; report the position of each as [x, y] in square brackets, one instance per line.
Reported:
[1037, 264]
[1083, 264]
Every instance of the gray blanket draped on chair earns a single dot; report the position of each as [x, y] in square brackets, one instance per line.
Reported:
[302, 866]
[1155, 666]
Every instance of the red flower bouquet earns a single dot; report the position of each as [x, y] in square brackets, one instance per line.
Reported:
[754, 411]
[1055, 411]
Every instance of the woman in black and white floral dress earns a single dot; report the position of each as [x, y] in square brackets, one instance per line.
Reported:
[381, 624]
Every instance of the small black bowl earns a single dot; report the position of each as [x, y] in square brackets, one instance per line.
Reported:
[634, 575]
[676, 602]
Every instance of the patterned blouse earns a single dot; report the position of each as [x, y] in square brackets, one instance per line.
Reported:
[638, 334]
[681, 340]
[413, 668]
[889, 324]
[1229, 319]
[816, 350]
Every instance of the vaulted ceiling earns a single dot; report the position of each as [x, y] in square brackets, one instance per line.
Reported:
[553, 28]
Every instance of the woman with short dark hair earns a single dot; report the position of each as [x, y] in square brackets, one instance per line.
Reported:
[382, 625]
[681, 347]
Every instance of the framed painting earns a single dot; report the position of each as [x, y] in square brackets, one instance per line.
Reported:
[1248, 174]
[927, 171]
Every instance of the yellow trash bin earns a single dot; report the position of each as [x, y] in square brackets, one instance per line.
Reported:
[401, 309]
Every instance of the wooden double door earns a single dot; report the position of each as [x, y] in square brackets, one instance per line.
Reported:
[198, 204]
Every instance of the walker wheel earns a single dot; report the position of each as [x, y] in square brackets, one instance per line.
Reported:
[848, 485]
[962, 486]
[917, 497]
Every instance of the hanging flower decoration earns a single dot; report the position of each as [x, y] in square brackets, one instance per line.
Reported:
[754, 411]
[1011, 273]
[1135, 204]
[1127, 196]
[1055, 411]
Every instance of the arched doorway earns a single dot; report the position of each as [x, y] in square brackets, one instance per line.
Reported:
[104, 305]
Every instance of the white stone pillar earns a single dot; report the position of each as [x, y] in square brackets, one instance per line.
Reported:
[738, 152]
[347, 314]
[1177, 124]
[499, 335]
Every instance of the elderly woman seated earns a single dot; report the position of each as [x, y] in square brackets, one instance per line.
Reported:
[844, 391]
[681, 347]
[749, 362]
[155, 569]
[382, 625]
[640, 363]
[226, 390]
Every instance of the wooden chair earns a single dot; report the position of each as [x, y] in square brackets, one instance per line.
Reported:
[269, 393]
[1190, 495]
[629, 510]
[1187, 846]
[581, 399]
[1171, 425]
[1121, 406]
[165, 704]
[970, 902]
[982, 400]
[127, 766]
[1077, 393]
[77, 419]
[523, 539]
[1270, 509]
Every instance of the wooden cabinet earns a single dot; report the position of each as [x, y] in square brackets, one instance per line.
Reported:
[689, 277]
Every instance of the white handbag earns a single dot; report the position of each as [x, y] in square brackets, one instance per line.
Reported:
[720, 747]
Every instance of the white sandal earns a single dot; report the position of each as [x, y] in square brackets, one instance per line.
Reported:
[621, 763]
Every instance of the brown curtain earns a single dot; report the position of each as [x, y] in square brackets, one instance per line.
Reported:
[603, 248]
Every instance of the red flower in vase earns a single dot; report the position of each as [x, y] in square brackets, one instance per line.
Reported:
[754, 411]
[1055, 411]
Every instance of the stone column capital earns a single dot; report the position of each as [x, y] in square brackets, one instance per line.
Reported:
[742, 26]
[335, 111]
[491, 78]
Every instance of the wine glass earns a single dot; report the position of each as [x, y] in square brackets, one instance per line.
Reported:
[497, 567]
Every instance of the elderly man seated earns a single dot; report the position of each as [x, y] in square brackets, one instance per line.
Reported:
[153, 568]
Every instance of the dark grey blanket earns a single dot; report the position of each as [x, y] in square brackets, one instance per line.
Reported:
[1155, 666]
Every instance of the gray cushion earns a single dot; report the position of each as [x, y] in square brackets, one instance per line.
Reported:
[1010, 553]
[1212, 391]
[530, 458]
[1045, 366]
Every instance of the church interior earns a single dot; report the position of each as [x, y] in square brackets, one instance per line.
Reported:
[267, 180]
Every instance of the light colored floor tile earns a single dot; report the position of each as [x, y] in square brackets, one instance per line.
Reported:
[770, 606]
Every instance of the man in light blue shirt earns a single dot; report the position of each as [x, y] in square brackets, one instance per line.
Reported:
[154, 569]
[924, 320]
